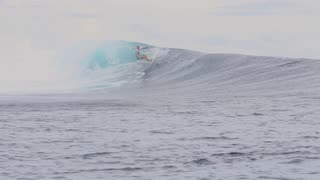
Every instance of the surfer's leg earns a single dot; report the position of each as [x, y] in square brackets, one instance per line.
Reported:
[145, 57]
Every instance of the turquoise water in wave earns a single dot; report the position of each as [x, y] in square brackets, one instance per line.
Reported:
[112, 53]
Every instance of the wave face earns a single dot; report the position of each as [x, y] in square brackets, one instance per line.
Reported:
[188, 71]
[175, 70]
[115, 65]
[112, 53]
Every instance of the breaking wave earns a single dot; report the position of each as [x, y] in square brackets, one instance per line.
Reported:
[117, 64]
[182, 71]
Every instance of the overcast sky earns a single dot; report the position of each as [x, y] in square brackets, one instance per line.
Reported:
[33, 32]
[261, 27]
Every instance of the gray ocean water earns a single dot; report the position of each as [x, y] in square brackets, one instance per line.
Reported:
[193, 116]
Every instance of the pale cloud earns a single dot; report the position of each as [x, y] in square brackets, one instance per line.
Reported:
[268, 7]
[254, 8]
[263, 27]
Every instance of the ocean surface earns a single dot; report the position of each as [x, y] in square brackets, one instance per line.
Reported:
[186, 115]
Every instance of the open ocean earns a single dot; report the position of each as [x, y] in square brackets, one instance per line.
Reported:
[187, 115]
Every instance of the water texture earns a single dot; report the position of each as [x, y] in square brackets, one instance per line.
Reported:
[187, 115]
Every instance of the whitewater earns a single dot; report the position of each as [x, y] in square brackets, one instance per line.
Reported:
[185, 115]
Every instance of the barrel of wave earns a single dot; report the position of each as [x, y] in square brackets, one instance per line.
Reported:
[114, 53]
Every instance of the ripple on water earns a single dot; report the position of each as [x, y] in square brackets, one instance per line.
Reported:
[127, 169]
[201, 161]
[93, 155]
[160, 132]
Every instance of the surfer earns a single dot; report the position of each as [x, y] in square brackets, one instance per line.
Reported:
[141, 56]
